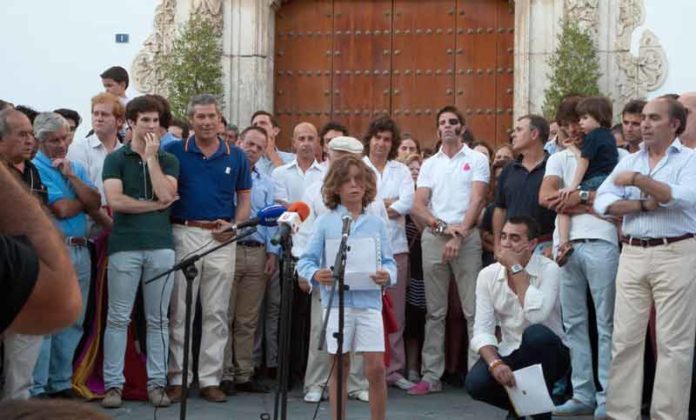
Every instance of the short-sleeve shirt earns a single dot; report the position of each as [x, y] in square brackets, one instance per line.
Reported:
[450, 181]
[32, 179]
[59, 188]
[518, 194]
[599, 147]
[141, 231]
[19, 269]
[90, 152]
[208, 184]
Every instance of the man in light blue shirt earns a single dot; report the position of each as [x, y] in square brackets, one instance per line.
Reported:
[654, 190]
[71, 195]
[256, 262]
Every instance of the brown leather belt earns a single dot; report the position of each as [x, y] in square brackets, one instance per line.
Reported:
[650, 242]
[76, 241]
[202, 224]
[251, 244]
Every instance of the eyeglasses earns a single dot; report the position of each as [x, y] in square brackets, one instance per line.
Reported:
[451, 121]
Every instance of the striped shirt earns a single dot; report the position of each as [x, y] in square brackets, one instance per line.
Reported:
[676, 169]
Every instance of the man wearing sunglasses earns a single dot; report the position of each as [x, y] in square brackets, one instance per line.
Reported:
[449, 196]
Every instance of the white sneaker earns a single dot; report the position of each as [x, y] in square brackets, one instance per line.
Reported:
[363, 396]
[313, 396]
[403, 383]
[413, 376]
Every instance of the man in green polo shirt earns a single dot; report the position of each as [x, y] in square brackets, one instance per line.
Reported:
[140, 182]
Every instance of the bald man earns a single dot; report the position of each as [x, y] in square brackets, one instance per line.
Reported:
[293, 178]
[290, 182]
[688, 137]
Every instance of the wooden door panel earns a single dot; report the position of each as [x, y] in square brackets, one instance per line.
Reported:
[361, 62]
[504, 72]
[350, 60]
[302, 65]
[422, 65]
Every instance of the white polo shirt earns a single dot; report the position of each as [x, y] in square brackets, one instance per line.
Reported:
[90, 152]
[450, 181]
[291, 183]
[395, 183]
[583, 226]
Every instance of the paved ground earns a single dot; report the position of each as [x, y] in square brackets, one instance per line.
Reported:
[448, 405]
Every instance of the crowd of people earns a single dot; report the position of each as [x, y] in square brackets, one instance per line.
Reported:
[490, 260]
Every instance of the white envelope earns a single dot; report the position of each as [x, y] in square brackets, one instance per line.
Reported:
[530, 396]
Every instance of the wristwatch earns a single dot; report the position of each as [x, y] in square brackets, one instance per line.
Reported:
[439, 227]
[516, 268]
[584, 196]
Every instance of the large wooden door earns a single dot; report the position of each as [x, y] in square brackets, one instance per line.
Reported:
[348, 61]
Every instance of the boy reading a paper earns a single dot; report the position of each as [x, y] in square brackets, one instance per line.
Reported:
[348, 188]
[521, 294]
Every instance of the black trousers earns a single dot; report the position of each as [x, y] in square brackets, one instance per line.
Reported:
[539, 345]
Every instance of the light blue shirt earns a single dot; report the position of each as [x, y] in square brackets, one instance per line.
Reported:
[265, 166]
[168, 138]
[676, 169]
[262, 195]
[329, 226]
[59, 188]
[551, 146]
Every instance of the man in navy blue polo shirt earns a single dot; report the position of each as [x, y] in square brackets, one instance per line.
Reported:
[214, 191]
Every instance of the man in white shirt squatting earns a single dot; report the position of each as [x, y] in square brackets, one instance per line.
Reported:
[521, 294]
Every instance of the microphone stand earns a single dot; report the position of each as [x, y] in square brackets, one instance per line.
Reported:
[188, 267]
[339, 271]
[286, 286]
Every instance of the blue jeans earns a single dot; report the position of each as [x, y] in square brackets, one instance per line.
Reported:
[539, 345]
[54, 367]
[126, 270]
[594, 264]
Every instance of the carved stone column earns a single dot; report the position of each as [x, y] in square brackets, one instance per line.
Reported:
[612, 24]
[248, 38]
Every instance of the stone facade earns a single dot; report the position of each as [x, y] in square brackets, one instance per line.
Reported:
[248, 33]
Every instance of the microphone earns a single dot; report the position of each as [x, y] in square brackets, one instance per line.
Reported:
[347, 220]
[290, 221]
[267, 216]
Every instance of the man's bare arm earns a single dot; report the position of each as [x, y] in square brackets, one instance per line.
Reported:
[55, 301]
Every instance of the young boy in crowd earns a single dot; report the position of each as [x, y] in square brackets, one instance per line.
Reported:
[597, 157]
[348, 188]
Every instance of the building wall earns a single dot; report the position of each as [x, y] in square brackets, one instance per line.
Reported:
[54, 51]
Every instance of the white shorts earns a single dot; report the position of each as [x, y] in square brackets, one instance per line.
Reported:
[363, 331]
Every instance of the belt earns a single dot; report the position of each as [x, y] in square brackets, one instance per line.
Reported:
[76, 241]
[650, 242]
[586, 240]
[202, 224]
[251, 244]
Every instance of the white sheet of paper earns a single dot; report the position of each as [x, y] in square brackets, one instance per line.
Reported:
[530, 396]
[362, 261]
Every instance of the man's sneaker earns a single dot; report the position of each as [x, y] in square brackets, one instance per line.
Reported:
[158, 397]
[413, 376]
[363, 396]
[403, 383]
[425, 387]
[573, 407]
[112, 398]
[600, 413]
[313, 396]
